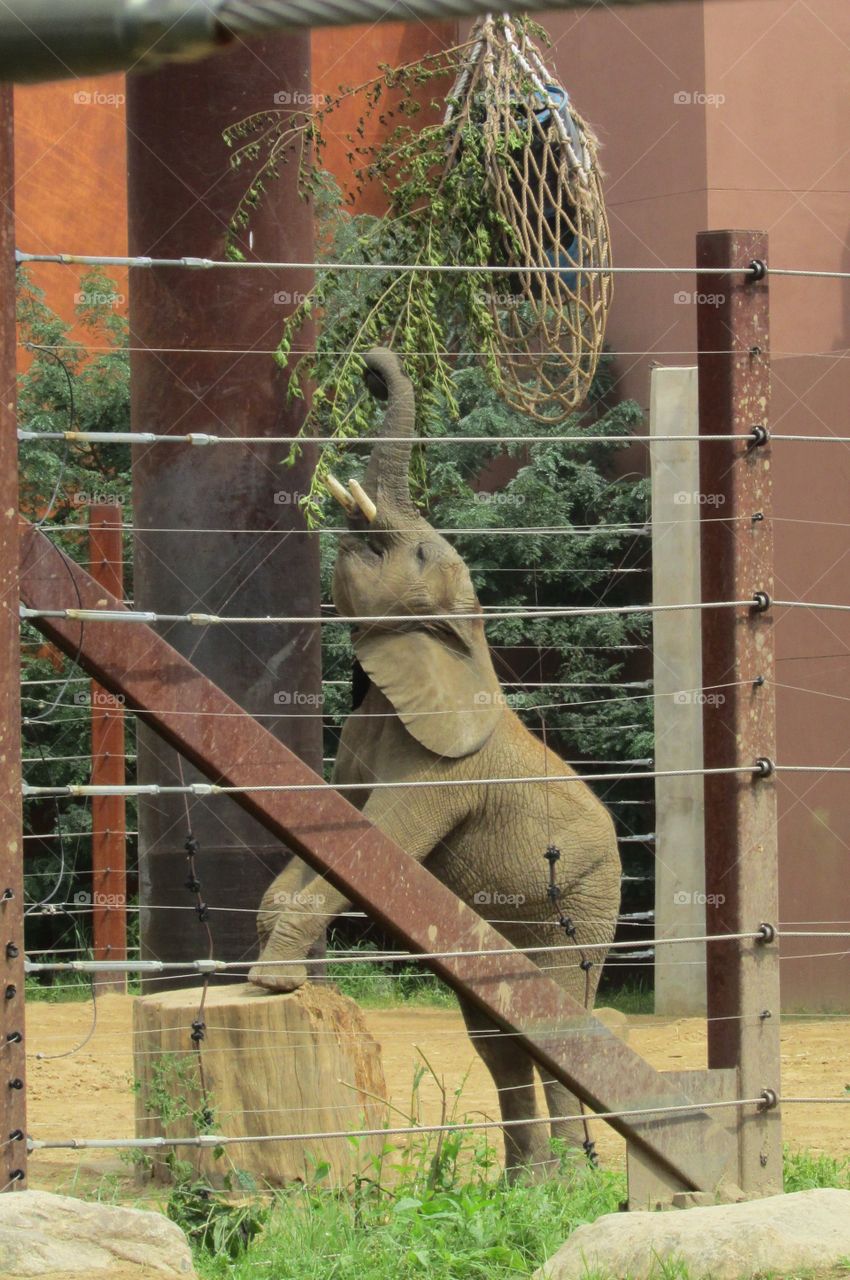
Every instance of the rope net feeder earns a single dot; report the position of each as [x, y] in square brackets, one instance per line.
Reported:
[545, 187]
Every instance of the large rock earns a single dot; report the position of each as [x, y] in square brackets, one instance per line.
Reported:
[45, 1235]
[781, 1234]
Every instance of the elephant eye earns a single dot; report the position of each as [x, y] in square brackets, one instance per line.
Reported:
[375, 545]
[421, 553]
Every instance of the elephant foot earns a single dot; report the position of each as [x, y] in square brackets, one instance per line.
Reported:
[282, 977]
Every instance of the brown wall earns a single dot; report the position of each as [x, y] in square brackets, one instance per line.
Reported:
[70, 191]
[768, 149]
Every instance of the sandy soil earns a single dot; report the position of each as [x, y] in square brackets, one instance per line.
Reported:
[89, 1093]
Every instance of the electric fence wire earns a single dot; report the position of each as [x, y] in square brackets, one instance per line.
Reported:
[753, 271]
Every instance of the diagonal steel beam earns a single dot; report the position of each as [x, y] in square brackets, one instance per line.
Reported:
[233, 749]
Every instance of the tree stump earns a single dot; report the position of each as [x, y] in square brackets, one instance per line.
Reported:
[298, 1063]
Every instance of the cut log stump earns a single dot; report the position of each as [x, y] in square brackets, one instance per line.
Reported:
[300, 1063]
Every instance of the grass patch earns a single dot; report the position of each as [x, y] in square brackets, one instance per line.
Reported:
[804, 1170]
[451, 1219]
[423, 1229]
[379, 983]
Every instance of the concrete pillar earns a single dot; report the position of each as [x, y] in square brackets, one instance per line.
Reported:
[677, 672]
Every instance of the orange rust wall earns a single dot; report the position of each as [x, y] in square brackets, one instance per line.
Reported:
[70, 188]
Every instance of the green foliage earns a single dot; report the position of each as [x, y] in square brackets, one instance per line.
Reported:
[68, 385]
[73, 386]
[805, 1170]
[383, 983]
[472, 1226]
[433, 177]
[213, 1223]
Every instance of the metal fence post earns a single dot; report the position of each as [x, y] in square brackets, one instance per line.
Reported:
[13, 1125]
[109, 813]
[738, 713]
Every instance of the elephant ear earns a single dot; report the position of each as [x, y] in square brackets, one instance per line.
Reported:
[440, 682]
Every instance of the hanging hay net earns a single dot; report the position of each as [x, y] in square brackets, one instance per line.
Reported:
[545, 188]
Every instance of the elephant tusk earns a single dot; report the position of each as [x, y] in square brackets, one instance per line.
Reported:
[363, 500]
[336, 490]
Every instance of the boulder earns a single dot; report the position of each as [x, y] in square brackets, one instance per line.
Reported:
[780, 1235]
[48, 1235]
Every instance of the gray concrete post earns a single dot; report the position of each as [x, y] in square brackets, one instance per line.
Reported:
[677, 671]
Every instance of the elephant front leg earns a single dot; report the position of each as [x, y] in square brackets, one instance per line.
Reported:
[289, 924]
[416, 820]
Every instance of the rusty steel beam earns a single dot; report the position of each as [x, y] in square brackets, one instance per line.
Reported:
[739, 723]
[108, 813]
[233, 749]
[13, 1123]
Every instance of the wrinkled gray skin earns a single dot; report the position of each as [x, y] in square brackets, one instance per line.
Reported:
[434, 709]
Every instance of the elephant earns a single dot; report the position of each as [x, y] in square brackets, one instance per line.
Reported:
[430, 706]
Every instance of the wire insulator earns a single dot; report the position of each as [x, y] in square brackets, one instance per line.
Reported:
[199, 1031]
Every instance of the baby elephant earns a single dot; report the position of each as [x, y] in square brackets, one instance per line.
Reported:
[433, 708]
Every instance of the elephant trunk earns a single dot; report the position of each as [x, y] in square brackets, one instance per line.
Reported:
[386, 478]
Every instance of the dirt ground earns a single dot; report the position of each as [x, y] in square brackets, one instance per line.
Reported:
[89, 1093]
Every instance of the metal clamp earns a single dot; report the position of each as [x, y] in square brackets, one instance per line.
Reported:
[769, 1100]
[766, 933]
[759, 435]
[757, 270]
[764, 767]
[761, 601]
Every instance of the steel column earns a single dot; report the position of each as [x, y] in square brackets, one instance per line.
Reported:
[738, 657]
[233, 749]
[108, 813]
[13, 1124]
[195, 369]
